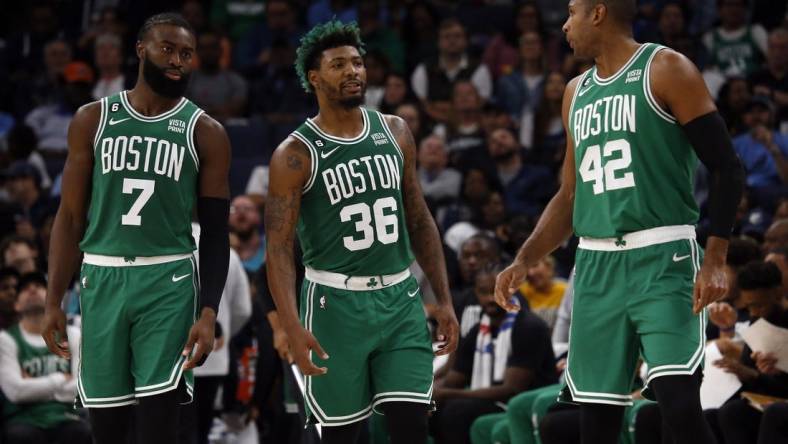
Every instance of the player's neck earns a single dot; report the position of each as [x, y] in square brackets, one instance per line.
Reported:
[340, 121]
[146, 102]
[614, 51]
[30, 327]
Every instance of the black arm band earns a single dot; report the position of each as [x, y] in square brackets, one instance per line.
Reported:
[214, 249]
[712, 143]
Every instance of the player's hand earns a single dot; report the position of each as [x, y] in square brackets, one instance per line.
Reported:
[506, 285]
[201, 334]
[282, 345]
[711, 285]
[448, 329]
[301, 342]
[766, 363]
[723, 315]
[54, 332]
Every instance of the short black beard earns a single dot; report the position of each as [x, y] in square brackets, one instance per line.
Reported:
[160, 83]
[503, 157]
[352, 102]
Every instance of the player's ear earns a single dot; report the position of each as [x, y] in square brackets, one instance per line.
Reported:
[140, 48]
[598, 13]
[312, 77]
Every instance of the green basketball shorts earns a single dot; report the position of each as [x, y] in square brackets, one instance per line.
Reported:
[633, 298]
[136, 316]
[375, 333]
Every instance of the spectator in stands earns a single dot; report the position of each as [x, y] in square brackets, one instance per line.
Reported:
[322, 11]
[463, 130]
[495, 117]
[776, 236]
[23, 147]
[378, 37]
[396, 92]
[377, 65]
[39, 386]
[501, 54]
[108, 57]
[735, 47]
[542, 291]
[257, 186]
[413, 115]
[50, 122]
[527, 187]
[547, 141]
[236, 18]
[246, 225]
[280, 25]
[9, 280]
[476, 253]
[772, 80]
[32, 205]
[220, 92]
[43, 86]
[439, 183]
[760, 285]
[277, 94]
[779, 257]
[733, 101]
[764, 153]
[108, 21]
[432, 80]
[194, 13]
[503, 355]
[477, 184]
[420, 33]
[26, 48]
[519, 92]
[20, 254]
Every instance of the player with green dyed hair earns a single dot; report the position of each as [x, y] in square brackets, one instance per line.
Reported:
[345, 183]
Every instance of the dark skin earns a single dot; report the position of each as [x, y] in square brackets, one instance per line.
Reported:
[340, 79]
[164, 45]
[515, 379]
[678, 88]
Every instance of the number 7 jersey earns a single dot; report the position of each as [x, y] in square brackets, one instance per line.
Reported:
[352, 217]
[635, 166]
[145, 179]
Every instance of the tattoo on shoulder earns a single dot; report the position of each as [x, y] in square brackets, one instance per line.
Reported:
[294, 162]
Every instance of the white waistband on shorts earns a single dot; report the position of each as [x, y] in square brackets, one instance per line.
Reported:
[355, 283]
[639, 239]
[131, 261]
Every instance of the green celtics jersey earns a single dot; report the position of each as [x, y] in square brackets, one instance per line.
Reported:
[144, 181]
[352, 218]
[739, 56]
[635, 166]
[37, 362]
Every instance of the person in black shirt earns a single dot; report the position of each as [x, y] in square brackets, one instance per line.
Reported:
[505, 354]
[760, 285]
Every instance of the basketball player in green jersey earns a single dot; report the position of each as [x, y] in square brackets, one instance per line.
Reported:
[345, 182]
[138, 163]
[636, 124]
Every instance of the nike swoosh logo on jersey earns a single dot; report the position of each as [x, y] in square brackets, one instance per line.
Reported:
[325, 154]
[115, 122]
[679, 258]
[414, 292]
[580, 94]
[178, 278]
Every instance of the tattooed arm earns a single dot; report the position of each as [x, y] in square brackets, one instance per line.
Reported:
[289, 171]
[424, 238]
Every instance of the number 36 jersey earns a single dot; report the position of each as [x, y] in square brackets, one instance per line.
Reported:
[352, 217]
[635, 166]
[145, 173]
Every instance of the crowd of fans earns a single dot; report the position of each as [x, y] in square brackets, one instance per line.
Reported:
[480, 84]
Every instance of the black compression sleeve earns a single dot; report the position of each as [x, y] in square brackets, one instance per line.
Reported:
[214, 248]
[712, 143]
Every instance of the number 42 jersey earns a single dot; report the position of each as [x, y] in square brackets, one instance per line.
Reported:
[352, 218]
[145, 173]
[635, 166]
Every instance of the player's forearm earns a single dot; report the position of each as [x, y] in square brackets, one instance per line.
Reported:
[553, 228]
[64, 255]
[280, 270]
[426, 244]
[716, 250]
